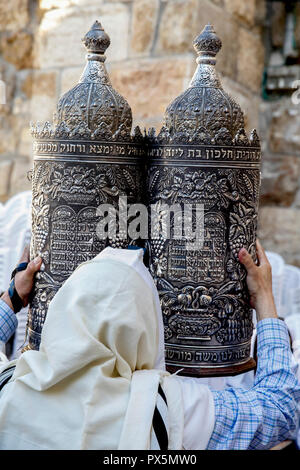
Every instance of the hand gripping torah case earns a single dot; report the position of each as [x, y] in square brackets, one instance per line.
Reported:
[86, 159]
[203, 156]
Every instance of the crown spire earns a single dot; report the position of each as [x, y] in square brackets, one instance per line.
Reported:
[207, 45]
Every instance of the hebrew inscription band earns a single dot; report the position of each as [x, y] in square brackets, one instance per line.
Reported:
[207, 357]
[230, 156]
[113, 150]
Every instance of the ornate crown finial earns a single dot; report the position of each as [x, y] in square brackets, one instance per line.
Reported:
[207, 45]
[96, 40]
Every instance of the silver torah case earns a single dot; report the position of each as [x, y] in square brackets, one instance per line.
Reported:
[203, 156]
[89, 158]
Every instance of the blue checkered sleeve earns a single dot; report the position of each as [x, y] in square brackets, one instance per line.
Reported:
[8, 322]
[268, 413]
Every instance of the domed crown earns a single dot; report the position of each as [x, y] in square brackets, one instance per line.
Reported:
[93, 109]
[204, 110]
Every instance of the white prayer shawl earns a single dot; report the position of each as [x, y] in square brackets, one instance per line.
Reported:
[93, 385]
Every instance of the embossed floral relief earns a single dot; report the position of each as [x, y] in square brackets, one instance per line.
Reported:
[217, 306]
[64, 203]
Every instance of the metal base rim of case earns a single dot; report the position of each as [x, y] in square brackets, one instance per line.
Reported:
[214, 371]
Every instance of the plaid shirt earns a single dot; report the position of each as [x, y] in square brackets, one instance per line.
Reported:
[8, 322]
[266, 414]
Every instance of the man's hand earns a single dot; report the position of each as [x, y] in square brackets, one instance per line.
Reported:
[259, 282]
[24, 279]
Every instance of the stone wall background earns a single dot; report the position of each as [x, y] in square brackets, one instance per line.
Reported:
[150, 61]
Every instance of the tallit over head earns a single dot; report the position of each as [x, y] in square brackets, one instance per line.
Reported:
[101, 336]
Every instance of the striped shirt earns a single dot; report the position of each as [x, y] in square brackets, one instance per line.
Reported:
[8, 322]
[268, 413]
